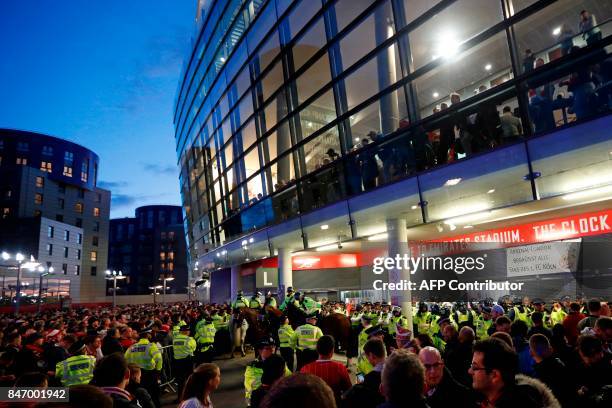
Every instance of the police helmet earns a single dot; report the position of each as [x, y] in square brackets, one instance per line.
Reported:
[258, 294]
[265, 342]
[297, 295]
[290, 289]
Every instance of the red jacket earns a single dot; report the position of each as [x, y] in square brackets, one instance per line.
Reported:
[570, 324]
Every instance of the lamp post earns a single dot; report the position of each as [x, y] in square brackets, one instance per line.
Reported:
[114, 275]
[43, 272]
[166, 278]
[154, 289]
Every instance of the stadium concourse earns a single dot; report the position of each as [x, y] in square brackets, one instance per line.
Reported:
[513, 352]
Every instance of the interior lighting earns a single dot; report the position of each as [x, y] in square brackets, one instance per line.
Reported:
[324, 226]
[330, 247]
[465, 219]
[452, 182]
[587, 193]
[557, 31]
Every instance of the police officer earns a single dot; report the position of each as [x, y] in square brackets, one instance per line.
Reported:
[184, 347]
[205, 337]
[289, 298]
[362, 339]
[287, 342]
[252, 374]
[270, 300]
[539, 306]
[148, 357]
[422, 319]
[177, 322]
[240, 301]
[397, 320]
[557, 315]
[77, 369]
[255, 302]
[519, 311]
[306, 337]
[484, 323]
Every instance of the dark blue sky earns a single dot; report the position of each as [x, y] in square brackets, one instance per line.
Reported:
[102, 74]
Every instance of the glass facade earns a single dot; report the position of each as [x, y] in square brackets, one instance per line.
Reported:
[289, 106]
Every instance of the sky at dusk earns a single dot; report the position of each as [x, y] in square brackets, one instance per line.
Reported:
[102, 74]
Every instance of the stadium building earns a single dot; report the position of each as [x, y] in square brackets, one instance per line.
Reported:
[313, 134]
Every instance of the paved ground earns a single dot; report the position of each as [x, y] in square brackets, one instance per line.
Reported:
[231, 391]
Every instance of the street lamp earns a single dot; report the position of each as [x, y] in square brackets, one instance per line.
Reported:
[166, 278]
[43, 272]
[114, 275]
[154, 288]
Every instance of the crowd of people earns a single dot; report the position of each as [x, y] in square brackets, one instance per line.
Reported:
[513, 352]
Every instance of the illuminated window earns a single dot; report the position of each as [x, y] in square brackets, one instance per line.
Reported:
[46, 166]
[171, 256]
[38, 198]
[6, 212]
[93, 256]
[22, 161]
[78, 207]
[40, 182]
[67, 171]
[162, 256]
[170, 266]
[96, 212]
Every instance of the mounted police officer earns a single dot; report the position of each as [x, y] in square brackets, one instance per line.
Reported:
[77, 369]
[240, 301]
[148, 357]
[255, 302]
[270, 300]
[184, 347]
[289, 298]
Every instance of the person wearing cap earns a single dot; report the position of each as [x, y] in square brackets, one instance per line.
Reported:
[289, 298]
[397, 320]
[76, 369]
[270, 300]
[205, 337]
[305, 340]
[254, 370]
[558, 314]
[308, 304]
[177, 322]
[539, 306]
[183, 346]
[240, 301]
[483, 323]
[362, 338]
[255, 302]
[148, 357]
[286, 337]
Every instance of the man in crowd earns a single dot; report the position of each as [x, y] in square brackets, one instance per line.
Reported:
[596, 370]
[332, 372]
[403, 381]
[112, 376]
[184, 347]
[305, 339]
[551, 371]
[493, 370]
[440, 385]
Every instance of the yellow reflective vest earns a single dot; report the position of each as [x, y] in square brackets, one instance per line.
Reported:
[145, 355]
[75, 370]
[184, 346]
[306, 336]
